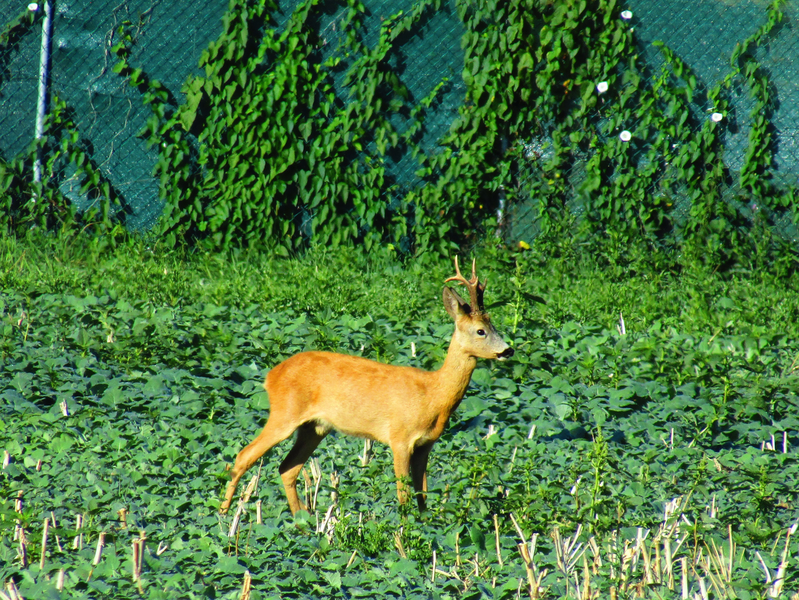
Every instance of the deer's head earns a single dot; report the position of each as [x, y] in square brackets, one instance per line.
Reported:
[473, 328]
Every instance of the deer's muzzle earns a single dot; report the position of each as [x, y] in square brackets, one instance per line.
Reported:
[506, 353]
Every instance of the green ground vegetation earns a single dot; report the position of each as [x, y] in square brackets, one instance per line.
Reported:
[648, 458]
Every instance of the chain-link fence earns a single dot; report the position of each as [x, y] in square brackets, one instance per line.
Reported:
[704, 35]
[170, 37]
[107, 112]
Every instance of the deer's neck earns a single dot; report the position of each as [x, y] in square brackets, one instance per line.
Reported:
[454, 376]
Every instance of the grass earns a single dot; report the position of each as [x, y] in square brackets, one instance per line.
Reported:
[652, 461]
[578, 290]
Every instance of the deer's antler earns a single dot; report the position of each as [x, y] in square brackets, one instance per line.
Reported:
[474, 286]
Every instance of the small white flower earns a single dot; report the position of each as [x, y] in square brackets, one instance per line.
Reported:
[626, 15]
[716, 117]
[602, 87]
[625, 136]
[33, 7]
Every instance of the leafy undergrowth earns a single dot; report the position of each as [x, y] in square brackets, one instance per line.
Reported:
[654, 459]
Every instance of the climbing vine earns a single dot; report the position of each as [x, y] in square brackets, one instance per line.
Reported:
[638, 155]
[288, 134]
[264, 151]
[66, 159]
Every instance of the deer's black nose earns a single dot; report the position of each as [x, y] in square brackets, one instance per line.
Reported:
[507, 353]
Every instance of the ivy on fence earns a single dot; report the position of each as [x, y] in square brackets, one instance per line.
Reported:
[283, 140]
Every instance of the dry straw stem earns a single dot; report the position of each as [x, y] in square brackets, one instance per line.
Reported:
[23, 547]
[512, 460]
[246, 586]
[568, 551]
[398, 543]
[45, 530]
[586, 595]
[779, 580]
[368, 453]
[458, 549]
[328, 523]
[55, 524]
[98, 553]
[719, 566]
[77, 543]
[13, 592]
[534, 577]
[527, 552]
[684, 570]
[245, 497]
[138, 556]
[316, 474]
[496, 539]
[334, 481]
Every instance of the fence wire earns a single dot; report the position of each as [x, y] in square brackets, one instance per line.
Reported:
[172, 35]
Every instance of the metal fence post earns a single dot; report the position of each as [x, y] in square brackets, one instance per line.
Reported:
[44, 65]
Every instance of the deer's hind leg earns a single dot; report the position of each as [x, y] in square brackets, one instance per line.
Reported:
[419, 472]
[308, 437]
[273, 433]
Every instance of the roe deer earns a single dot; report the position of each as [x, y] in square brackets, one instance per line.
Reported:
[407, 408]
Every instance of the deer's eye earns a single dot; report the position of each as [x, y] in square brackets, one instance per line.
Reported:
[481, 332]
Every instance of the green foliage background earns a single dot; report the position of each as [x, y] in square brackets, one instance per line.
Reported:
[282, 140]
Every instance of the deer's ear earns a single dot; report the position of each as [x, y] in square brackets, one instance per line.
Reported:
[454, 304]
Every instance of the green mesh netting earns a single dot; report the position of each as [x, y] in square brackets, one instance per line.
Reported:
[172, 35]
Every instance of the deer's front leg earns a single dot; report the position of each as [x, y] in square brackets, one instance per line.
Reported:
[274, 432]
[402, 461]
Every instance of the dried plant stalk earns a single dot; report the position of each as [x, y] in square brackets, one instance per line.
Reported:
[23, 548]
[98, 553]
[245, 497]
[77, 543]
[398, 543]
[496, 538]
[135, 560]
[368, 453]
[684, 569]
[45, 529]
[528, 567]
[246, 586]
